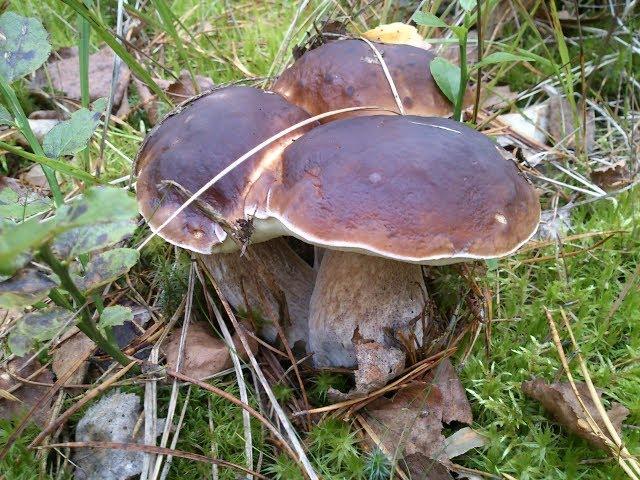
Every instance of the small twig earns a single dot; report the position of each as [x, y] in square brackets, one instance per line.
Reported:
[136, 447]
[239, 403]
[90, 395]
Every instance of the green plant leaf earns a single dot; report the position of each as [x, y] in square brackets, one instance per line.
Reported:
[5, 117]
[24, 45]
[88, 239]
[98, 205]
[468, 5]
[428, 20]
[17, 240]
[503, 57]
[18, 203]
[26, 287]
[41, 325]
[447, 77]
[105, 268]
[71, 136]
[460, 32]
[113, 316]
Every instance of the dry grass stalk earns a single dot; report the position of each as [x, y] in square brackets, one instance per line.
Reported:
[173, 399]
[176, 435]
[227, 396]
[291, 433]
[420, 367]
[242, 386]
[90, 395]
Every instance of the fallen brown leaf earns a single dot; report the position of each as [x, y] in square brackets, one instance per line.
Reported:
[35, 177]
[204, 354]
[28, 395]
[410, 423]
[178, 91]
[65, 78]
[562, 123]
[612, 177]
[560, 400]
[497, 97]
[68, 353]
[182, 89]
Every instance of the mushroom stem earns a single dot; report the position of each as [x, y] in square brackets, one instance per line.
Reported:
[365, 312]
[242, 285]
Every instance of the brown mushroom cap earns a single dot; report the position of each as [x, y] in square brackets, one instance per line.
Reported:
[347, 73]
[415, 189]
[196, 142]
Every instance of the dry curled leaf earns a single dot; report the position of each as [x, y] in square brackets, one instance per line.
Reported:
[560, 400]
[531, 124]
[35, 177]
[410, 423]
[204, 354]
[496, 98]
[27, 395]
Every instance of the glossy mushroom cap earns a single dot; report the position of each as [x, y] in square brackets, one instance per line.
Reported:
[414, 189]
[197, 141]
[347, 73]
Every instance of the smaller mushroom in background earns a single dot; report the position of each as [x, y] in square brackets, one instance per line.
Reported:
[191, 146]
[385, 195]
[347, 73]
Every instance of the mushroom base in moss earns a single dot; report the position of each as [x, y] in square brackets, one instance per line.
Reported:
[366, 312]
[244, 287]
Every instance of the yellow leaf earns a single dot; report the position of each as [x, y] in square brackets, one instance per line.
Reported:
[397, 33]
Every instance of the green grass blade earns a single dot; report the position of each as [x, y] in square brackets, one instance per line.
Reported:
[117, 47]
[167, 20]
[83, 53]
[23, 125]
[52, 165]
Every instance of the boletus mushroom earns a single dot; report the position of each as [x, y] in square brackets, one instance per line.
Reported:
[188, 148]
[348, 73]
[385, 195]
